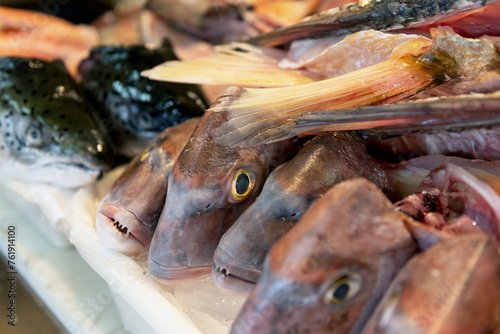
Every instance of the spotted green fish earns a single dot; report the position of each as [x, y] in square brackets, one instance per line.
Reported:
[137, 109]
[49, 132]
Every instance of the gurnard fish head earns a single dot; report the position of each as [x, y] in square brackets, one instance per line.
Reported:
[209, 187]
[128, 213]
[452, 287]
[288, 192]
[327, 274]
[137, 109]
[49, 132]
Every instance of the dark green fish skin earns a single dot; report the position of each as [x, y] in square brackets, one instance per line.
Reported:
[137, 109]
[384, 15]
[46, 121]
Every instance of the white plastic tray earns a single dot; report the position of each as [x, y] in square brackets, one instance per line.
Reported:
[144, 306]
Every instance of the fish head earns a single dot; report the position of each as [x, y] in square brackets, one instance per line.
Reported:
[433, 294]
[137, 109]
[209, 187]
[49, 131]
[128, 214]
[328, 272]
[240, 254]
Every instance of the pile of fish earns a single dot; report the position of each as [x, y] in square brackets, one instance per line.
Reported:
[68, 112]
[348, 181]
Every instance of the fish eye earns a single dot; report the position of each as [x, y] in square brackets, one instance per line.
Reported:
[33, 136]
[144, 120]
[242, 184]
[344, 288]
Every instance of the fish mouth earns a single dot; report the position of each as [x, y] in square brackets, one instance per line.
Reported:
[233, 275]
[169, 275]
[61, 174]
[114, 229]
[230, 282]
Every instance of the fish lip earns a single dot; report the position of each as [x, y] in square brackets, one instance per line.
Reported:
[77, 165]
[113, 237]
[168, 275]
[233, 271]
[230, 282]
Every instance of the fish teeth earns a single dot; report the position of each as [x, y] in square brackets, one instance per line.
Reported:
[121, 228]
[222, 270]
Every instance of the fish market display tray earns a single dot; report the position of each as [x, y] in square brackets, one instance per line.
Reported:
[144, 306]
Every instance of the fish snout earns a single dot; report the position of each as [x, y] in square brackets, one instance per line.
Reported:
[120, 230]
[232, 274]
[263, 314]
[91, 149]
[247, 243]
[182, 248]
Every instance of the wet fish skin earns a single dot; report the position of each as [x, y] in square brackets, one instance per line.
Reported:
[137, 108]
[49, 130]
[288, 193]
[432, 294]
[298, 290]
[379, 15]
[128, 213]
[201, 203]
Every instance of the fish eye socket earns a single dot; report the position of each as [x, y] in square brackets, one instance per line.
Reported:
[343, 289]
[145, 120]
[242, 185]
[33, 136]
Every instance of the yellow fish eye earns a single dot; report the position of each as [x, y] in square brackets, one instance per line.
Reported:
[242, 185]
[343, 289]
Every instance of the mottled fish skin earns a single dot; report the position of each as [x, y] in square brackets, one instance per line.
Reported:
[136, 108]
[128, 213]
[49, 131]
[328, 273]
[384, 15]
[289, 191]
[209, 187]
[432, 294]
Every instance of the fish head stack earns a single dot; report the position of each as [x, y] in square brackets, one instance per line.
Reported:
[137, 109]
[49, 131]
[433, 294]
[288, 192]
[209, 187]
[327, 274]
[128, 214]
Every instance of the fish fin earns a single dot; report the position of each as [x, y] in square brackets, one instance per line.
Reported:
[433, 115]
[238, 64]
[424, 235]
[257, 116]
